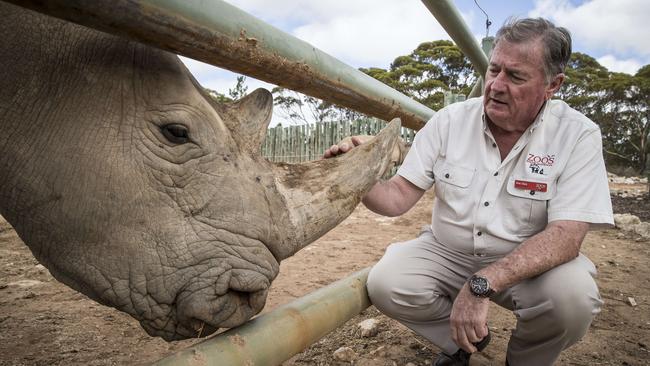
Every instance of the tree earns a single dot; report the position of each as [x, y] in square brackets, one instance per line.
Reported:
[617, 102]
[424, 74]
[428, 71]
[235, 93]
[240, 88]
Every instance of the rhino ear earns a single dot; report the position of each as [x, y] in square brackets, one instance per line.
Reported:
[248, 119]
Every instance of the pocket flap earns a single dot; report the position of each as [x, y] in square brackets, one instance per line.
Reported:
[535, 188]
[453, 174]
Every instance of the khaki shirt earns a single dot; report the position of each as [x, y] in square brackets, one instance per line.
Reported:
[485, 206]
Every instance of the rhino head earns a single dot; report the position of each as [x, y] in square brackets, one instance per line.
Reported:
[133, 187]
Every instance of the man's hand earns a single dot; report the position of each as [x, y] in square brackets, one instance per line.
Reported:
[468, 319]
[343, 147]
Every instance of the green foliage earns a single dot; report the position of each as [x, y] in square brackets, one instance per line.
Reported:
[240, 89]
[618, 102]
[428, 71]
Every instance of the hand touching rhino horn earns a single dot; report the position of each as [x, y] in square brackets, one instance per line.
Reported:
[345, 145]
[397, 155]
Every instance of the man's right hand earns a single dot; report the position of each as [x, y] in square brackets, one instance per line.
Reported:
[344, 146]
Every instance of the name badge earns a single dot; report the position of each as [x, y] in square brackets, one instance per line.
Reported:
[530, 186]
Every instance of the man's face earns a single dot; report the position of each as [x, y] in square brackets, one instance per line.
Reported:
[515, 85]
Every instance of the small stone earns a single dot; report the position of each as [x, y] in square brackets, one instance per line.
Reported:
[642, 229]
[345, 354]
[410, 364]
[626, 221]
[369, 327]
[631, 301]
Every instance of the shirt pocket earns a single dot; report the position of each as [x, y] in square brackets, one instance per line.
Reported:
[452, 182]
[526, 210]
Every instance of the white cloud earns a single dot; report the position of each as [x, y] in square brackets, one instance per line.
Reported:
[219, 79]
[629, 66]
[611, 26]
[361, 33]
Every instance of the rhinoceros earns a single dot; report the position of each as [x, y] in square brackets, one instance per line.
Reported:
[132, 186]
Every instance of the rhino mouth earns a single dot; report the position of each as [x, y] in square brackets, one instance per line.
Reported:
[201, 307]
[201, 314]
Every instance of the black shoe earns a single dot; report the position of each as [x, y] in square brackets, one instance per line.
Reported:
[461, 357]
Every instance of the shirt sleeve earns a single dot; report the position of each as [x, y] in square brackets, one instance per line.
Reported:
[582, 188]
[417, 167]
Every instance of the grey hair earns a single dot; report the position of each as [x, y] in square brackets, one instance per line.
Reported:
[556, 41]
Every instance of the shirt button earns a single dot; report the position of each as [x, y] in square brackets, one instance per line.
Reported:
[494, 145]
[496, 173]
[486, 204]
[479, 233]
[532, 193]
[447, 175]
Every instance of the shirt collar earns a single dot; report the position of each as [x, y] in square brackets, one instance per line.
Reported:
[538, 119]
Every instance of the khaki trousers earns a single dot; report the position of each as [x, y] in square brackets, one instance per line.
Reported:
[416, 282]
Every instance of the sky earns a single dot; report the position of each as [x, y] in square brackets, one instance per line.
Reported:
[372, 33]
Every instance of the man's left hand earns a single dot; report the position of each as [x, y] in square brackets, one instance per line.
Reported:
[468, 319]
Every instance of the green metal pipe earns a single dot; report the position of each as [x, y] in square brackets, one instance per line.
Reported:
[274, 337]
[448, 16]
[487, 43]
[220, 34]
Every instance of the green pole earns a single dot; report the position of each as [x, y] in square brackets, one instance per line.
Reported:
[486, 44]
[448, 16]
[220, 34]
[274, 337]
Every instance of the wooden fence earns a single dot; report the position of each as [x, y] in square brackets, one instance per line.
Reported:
[294, 144]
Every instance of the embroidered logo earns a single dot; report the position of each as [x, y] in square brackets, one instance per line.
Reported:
[540, 164]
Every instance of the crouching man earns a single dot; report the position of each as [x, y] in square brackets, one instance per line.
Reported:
[519, 180]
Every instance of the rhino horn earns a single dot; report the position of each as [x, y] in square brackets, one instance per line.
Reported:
[320, 194]
[248, 118]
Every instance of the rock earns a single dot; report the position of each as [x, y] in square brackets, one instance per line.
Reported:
[631, 301]
[369, 327]
[643, 229]
[345, 354]
[626, 221]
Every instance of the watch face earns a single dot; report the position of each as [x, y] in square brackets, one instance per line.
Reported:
[479, 285]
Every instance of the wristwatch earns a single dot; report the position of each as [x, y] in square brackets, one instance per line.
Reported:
[479, 286]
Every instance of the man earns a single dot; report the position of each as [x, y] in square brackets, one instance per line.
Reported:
[519, 179]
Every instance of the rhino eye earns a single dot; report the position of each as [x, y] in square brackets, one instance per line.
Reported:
[175, 133]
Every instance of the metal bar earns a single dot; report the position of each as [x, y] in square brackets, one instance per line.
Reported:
[448, 16]
[487, 44]
[274, 337]
[477, 89]
[220, 34]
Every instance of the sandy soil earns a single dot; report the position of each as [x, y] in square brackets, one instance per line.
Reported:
[42, 322]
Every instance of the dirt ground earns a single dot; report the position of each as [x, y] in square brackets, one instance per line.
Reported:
[42, 322]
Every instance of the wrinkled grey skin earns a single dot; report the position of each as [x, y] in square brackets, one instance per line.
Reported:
[184, 236]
